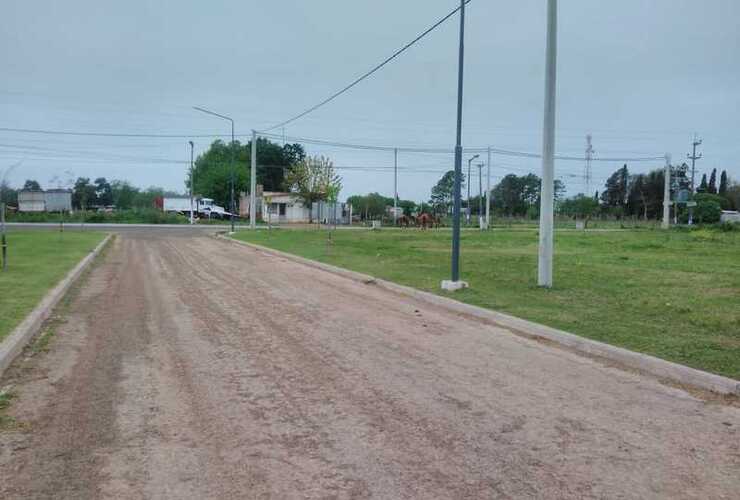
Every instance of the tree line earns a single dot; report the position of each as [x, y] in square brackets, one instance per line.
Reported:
[641, 196]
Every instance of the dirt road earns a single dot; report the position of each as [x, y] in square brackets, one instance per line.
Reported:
[192, 368]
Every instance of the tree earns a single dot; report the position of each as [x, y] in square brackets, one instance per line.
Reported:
[616, 190]
[123, 194]
[703, 187]
[580, 206]
[733, 195]
[723, 183]
[371, 206]
[314, 179]
[443, 192]
[637, 199]
[520, 195]
[31, 185]
[83, 194]
[708, 208]
[103, 192]
[213, 168]
[712, 188]
[408, 207]
[8, 195]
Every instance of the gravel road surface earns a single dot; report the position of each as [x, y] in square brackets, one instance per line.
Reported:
[187, 367]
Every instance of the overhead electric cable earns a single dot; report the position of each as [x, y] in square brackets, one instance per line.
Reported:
[366, 75]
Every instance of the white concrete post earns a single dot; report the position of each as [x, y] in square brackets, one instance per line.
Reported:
[667, 193]
[544, 274]
[253, 184]
[488, 191]
[395, 187]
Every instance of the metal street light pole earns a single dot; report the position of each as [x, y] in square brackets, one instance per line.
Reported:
[467, 181]
[3, 240]
[253, 183]
[192, 178]
[544, 271]
[458, 159]
[480, 196]
[231, 148]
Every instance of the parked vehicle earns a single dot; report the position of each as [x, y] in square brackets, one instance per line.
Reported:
[202, 207]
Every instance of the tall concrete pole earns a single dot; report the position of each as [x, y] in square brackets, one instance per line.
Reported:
[192, 178]
[667, 193]
[488, 191]
[458, 155]
[253, 183]
[395, 187]
[544, 274]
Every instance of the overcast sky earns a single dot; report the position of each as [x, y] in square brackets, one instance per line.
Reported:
[641, 76]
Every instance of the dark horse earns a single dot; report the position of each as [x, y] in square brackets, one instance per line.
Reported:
[427, 221]
[404, 221]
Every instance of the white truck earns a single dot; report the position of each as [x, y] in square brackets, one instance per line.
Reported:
[202, 207]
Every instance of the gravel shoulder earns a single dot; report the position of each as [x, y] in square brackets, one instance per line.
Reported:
[190, 368]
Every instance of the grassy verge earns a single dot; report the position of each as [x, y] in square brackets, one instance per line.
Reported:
[675, 295]
[37, 261]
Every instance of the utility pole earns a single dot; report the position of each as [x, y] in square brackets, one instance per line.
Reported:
[395, 187]
[480, 196]
[488, 191]
[467, 181]
[667, 193]
[192, 178]
[253, 183]
[454, 283]
[544, 270]
[587, 173]
[693, 157]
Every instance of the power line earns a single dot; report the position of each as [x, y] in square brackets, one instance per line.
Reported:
[110, 134]
[366, 75]
[321, 142]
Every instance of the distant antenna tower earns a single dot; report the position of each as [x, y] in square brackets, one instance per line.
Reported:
[587, 172]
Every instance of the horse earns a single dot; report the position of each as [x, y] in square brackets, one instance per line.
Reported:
[404, 221]
[425, 220]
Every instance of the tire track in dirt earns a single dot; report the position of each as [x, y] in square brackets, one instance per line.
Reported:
[191, 368]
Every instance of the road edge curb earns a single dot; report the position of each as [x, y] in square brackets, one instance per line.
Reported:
[16, 341]
[644, 363]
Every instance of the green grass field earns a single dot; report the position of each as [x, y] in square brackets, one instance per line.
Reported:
[37, 261]
[675, 294]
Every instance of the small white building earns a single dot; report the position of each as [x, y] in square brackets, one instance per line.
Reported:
[31, 201]
[287, 208]
[51, 200]
[280, 207]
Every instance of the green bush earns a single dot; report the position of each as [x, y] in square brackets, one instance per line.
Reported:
[707, 212]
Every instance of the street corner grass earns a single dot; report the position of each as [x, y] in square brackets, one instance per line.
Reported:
[37, 261]
[671, 294]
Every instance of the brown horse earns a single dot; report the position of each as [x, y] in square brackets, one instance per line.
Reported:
[404, 221]
[426, 221]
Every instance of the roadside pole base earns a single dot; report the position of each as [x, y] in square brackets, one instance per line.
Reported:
[453, 286]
